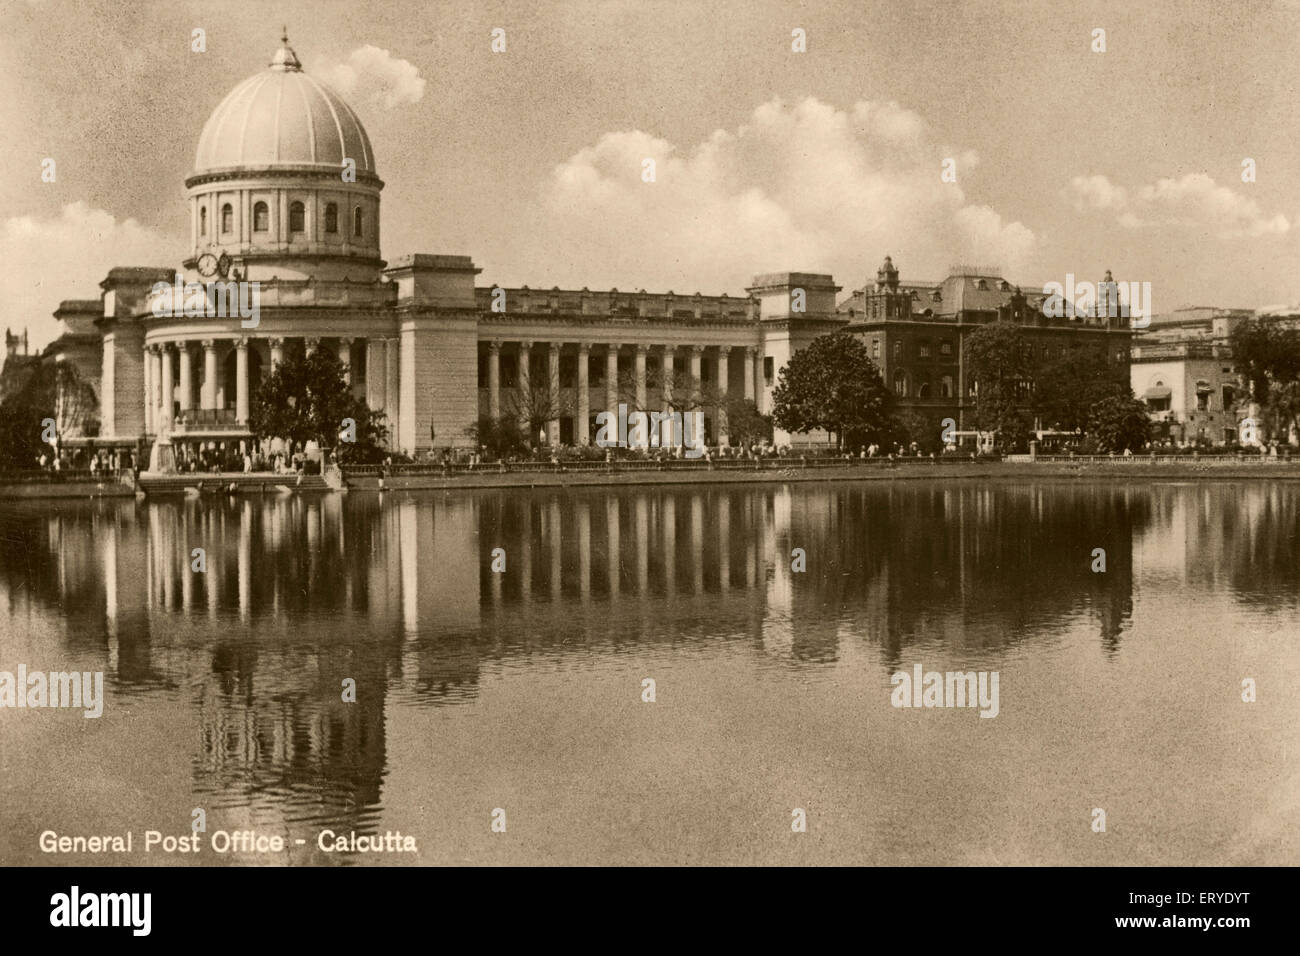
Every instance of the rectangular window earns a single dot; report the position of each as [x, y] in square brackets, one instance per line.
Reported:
[875, 348]
[924, 351]
[769, 370]
[945, 347]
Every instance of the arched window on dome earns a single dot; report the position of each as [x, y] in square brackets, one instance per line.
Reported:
[296, 218]
[227, 218]
[331, 217]
[356, 221]
[261, 218]
[203, 220]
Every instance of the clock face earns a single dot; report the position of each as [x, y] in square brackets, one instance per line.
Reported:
[223, 265]
[207, 265]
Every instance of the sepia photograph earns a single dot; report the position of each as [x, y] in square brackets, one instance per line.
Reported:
[650, 434]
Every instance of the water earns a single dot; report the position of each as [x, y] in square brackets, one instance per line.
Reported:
[522, 691]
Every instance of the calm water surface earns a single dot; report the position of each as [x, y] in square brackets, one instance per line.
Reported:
[522, 690]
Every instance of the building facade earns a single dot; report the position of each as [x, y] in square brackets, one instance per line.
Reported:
[1182, 368]
[285, 198]
[916, 332]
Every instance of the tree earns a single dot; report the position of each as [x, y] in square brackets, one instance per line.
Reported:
[1067, 387]
[832, 385]
[999, 361]
[1120, 422]
[307, 399]
[745, 425]
[1268, 357]
[501, 437]
[53, 390]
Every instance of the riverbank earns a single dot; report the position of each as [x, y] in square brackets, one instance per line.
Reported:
[1134, 470]
[1128, 471]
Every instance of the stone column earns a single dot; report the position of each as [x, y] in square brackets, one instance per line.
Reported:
[392, 393]
[666, 436]
[241, 381]
[640, 377]
[309, 343]
[494, 380]
[724, 353]
[187, 376]
[345, 359]
[581, 432]
[375, 386]
[526, 385]
[611, 378]
[553, 395]
[749, 373]
[209, 397]
[277, 351]
[148, 389]
[165, 399]
[696, 352]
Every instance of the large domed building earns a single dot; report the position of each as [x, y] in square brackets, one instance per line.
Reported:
[284, 198]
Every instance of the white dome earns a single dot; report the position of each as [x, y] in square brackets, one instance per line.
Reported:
[283, 117]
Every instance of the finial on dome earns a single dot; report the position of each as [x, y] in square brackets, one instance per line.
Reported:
[285, 59]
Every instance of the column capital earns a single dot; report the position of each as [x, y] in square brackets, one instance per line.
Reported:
[555, 347]
[276, 342]
[494, 346]
[584, 346]
[209, 344]
[642, 348]
[724, 349]
[153, 348]
[241, 343]
[311, 342]
[346, 340]
[526, 344]
[698, 349]
[751, 350]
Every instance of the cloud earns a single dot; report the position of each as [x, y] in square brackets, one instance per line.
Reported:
[376, 76]
[85, 243]
[1194, 201]
[1096, 192]
[806, 186]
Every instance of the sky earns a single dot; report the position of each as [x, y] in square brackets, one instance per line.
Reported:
[1066, 159]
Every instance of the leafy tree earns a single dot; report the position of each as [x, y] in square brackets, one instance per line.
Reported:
[1268, 356]
[1066, 388]
[502, 437]
[745, 426]
[306, 399]
[832, 385]
[999, 361]
[1120, 422]
[52, 390]
[910, 425]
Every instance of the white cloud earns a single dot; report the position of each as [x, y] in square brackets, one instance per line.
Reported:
[1096, 192]
[806, 186]
[376, 76]
[66, 257]
[1194, 201]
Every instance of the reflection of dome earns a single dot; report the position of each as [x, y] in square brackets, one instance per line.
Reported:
[283, 117]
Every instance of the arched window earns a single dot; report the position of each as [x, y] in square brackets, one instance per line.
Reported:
[227, 218]
[356, 221]
[331, 217]
[296, 217]
[900, 383]
[945, 387]
[261, 218]
[923, 391]
[203, 220]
